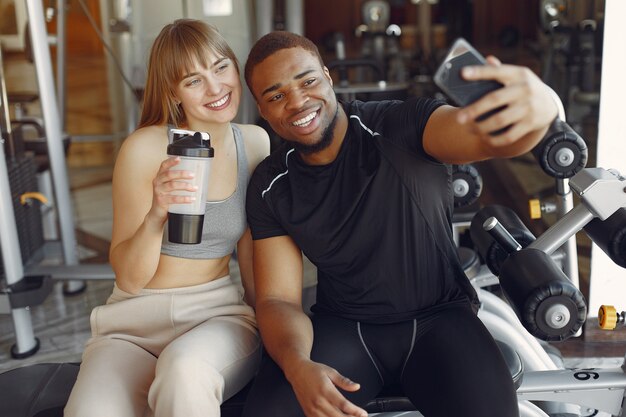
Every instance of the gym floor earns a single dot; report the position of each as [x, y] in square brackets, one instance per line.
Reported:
[61, 323]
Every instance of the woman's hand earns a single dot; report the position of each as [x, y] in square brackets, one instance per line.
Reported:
[164, 186]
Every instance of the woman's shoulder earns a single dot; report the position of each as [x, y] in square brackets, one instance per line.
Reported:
[256, 140]
[148, 134]
[146, 145]
[146, 140]
[252, 132]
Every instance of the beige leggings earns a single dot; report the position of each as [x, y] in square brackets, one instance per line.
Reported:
[169, 353]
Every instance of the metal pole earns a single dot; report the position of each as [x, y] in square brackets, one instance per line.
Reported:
[26, 343]
[5, 118]
[52, 127]
[264, 17]
[563, 229]
[565, 203]
[61, 52]
[294, 11]
[424, 25]
[11, 254]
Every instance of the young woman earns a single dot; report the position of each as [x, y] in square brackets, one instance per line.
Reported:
[177, 336]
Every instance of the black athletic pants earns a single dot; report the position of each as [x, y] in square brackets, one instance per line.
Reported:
[446, 363]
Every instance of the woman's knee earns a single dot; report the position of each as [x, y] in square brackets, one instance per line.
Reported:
[113, 379]
[102, 400]
[178, 369]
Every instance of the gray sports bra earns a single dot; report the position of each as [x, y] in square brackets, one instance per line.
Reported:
[224, 221]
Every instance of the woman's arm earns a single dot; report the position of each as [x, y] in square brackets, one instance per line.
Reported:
[257, 143]
[244, 258]
[257, 148]
[142, 182]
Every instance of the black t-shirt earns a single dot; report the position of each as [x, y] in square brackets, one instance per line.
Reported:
[376, 221]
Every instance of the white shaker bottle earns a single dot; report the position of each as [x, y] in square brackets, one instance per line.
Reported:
[185, 220]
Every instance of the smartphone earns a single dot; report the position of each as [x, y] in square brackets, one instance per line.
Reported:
[463, 92]
[448, 76]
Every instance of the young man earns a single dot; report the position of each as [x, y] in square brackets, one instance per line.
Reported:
[364, 190]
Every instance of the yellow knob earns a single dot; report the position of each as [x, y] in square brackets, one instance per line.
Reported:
[33, 194]
[607, 316]
[534, 206]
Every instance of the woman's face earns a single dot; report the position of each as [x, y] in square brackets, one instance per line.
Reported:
[210, 95]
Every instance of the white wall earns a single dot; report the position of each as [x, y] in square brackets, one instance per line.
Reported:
[608, 281]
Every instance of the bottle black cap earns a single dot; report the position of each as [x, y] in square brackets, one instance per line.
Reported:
[191, 145]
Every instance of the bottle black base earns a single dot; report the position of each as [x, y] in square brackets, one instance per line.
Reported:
[185, 228]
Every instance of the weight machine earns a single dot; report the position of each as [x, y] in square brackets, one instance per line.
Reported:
[29, 285]
[551, 308]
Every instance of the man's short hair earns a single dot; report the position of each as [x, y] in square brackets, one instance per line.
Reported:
[272, 43]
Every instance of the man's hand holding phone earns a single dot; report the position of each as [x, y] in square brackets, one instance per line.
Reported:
[485, 87]
[454, 78]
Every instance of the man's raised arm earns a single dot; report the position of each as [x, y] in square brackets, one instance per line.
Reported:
[454, 135]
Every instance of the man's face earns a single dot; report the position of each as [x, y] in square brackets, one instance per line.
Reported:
[294, 93]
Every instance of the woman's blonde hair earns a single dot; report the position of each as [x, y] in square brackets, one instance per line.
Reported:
[178, 47]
